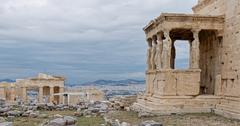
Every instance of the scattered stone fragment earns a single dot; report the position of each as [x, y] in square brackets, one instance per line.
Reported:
[6, 124]
[33, 115]
[125, 124]
[57, 122]
[13, 113]
[43, 116]
[144, 114]
[150, 123]
[5, 109]
[2, 119]
[78, 114]
[10, 118]
[57, 116]
[70, 120]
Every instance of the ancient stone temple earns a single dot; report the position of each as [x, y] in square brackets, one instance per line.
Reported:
[212, 81]
[39, 89]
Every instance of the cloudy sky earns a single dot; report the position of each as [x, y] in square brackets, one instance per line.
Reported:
[84, 40]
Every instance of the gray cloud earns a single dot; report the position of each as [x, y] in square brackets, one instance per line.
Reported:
[83, 40]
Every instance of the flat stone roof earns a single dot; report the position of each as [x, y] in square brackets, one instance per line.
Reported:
[184, 21]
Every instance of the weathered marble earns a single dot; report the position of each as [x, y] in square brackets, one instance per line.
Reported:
[46, 85]
[211, 84]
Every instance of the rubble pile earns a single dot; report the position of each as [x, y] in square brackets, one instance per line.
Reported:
[83, 109]
[61, 121]
[122, 103]
[92, 109]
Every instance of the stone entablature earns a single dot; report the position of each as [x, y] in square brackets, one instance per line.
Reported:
[42, 76]
[169, 21]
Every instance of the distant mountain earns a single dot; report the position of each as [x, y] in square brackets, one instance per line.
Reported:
[7, 80]
[114, 83]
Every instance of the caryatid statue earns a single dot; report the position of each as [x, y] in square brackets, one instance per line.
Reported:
[166, 54]
[153, 53]
[149, 53]
[158, 57]
[195, 49]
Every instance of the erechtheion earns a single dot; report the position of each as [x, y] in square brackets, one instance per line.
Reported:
[45, 86]
[212, 83]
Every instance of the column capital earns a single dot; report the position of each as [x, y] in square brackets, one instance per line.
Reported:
[159, 36]
[154, 42]
[196, 30]
[166, 30]
[149, 41]
[219, 33]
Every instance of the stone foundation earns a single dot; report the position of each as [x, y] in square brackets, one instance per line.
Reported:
[166, 105]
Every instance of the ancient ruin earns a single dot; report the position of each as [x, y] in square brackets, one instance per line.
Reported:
[45, 86]
[211, 84]
[74, 96]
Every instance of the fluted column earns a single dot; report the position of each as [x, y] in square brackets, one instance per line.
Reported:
[51, 94]
[166, 55]
[195, 51]
[61, 90]
[40, 94]
[159, 51]
[149, 54]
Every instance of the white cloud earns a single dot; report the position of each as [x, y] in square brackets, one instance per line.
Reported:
[80, 31]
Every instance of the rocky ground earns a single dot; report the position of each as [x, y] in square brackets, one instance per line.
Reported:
[115, 112]
[174, 120]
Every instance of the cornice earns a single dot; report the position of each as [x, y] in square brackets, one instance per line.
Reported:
[176, 17]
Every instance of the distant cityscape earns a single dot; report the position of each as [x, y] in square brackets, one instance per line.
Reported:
[111, 88]
[116, 88]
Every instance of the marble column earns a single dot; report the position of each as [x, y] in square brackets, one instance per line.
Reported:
[61, 90]
[68, 97]
[51, 94]
[40, 94]
[195, 51]
[158, 60]
[166, 55]
[149, 54]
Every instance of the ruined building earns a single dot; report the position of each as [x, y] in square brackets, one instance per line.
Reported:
[212, 81]
[40, 89]
[76, 95]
